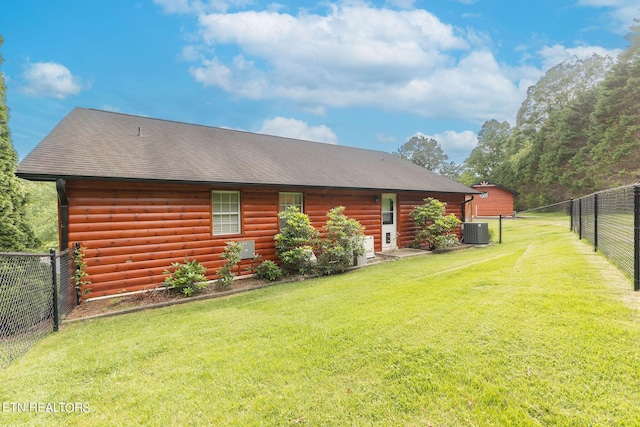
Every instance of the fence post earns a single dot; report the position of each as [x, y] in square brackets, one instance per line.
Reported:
[500, 231]
[595, 222]
[636, 238]
[580, 219]
[571, 215]
[54, 285]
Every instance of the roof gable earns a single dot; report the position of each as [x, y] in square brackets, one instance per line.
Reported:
[94, 144]
[484, 184]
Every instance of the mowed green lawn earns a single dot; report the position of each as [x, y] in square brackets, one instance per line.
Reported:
[540, 331]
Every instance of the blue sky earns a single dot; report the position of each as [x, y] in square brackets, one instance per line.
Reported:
[365, 74]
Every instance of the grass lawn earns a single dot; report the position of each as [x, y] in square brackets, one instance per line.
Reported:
[538, 331]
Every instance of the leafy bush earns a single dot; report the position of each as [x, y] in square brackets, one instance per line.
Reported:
[268, 270]
[435, 230]
[225, 274]
[187, 277]
[294, 243]
[344, 241]
[80, 274]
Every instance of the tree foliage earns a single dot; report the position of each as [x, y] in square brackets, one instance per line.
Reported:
[15, 232]
[428, 153]
[577, 132]
[490, 152]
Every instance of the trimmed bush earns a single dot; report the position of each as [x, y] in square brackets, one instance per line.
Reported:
[435, 230]
[294, 243]
[343, 243]
[187, 277]
[231, 253]
[268, 270]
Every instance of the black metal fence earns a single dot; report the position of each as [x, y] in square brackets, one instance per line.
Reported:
[609, 220]
[37, 291]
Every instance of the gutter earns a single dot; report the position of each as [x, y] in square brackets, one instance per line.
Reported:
[464, 217]
[64, 214]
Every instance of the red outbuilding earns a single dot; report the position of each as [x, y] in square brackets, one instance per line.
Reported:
[493, 200]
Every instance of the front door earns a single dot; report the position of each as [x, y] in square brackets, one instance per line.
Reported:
[389, 222]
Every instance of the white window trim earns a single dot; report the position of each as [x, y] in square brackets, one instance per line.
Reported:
[301, 207]
[214, 213]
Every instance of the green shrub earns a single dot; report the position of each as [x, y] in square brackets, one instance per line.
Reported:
[81, 284]
[435, 230]
[268, 270]
[294, 243]
[187, 277]
[343, 243]
[231, 253]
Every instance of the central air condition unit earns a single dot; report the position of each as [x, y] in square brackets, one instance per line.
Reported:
[475, 233]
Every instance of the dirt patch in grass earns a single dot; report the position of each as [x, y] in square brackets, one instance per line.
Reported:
[159, 298]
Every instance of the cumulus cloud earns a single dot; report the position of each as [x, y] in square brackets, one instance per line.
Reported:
[554, 55]
[357, 55]
[51, 80]
[384, 138]
[620, 12]
[292, 128]
[199, 6]
[457, 145]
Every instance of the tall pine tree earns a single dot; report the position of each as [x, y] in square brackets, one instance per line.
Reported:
[15, 232]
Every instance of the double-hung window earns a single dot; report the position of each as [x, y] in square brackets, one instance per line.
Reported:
[225, 207]
[290, 199]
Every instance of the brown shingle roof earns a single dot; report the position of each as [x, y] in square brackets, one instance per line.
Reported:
[104, 145]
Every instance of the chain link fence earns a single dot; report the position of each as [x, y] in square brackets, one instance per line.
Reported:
[534, 222]
[36, 291]
[609, 220]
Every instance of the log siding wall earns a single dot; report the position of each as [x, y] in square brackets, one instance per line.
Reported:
[498, 202]
[132, 232]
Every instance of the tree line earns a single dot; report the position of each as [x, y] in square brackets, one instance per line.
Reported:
[577, 132]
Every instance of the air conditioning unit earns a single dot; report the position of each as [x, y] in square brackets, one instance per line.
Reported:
[475, 233]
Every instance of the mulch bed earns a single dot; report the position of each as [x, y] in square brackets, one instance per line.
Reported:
[158, 298]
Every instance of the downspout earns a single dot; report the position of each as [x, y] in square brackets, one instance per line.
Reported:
[464, 217]
[64, 214]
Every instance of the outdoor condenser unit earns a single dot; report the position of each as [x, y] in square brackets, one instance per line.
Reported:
[475, 233]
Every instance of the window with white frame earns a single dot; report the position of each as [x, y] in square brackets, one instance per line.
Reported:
[484, 195]
[225, 207]
[291, 199]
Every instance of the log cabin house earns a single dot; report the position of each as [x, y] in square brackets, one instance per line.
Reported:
[139, 193]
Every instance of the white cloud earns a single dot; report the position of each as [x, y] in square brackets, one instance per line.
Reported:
[292, 128]
[51, 80]
[357, 55]
[457, 145]
[620, 12]
[384, 138]
[402, 4]
[199, 6]
[108, 107]
[554, 55]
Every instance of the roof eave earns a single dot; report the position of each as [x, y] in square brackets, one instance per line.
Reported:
[49, 177]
